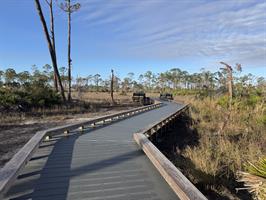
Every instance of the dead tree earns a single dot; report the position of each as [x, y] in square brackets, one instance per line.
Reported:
[229, 81]
[229, 71]
[112, 86]
[50, 47]
[69, 9]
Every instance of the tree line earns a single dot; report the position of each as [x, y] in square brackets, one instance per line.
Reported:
[36, 88]
[171, 80]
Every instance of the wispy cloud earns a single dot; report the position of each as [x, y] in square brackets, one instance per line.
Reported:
[173, 29]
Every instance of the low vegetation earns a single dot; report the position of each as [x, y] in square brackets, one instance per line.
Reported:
[255, 178]
[21, 91]
[230, 137]
[26, 95]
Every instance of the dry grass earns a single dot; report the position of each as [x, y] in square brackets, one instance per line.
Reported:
[89, 102]
[103, 97]
[93, 102]
[227, 139]
[106, 97]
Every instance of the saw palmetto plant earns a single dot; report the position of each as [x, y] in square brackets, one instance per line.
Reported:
[255, 179]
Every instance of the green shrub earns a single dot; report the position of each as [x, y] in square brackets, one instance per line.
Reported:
[252, 100]
[8, 98]
[42, 96]
[262, 120]
[31, 96]
[223, 101]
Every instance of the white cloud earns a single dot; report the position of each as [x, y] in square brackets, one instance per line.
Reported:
[174, 29]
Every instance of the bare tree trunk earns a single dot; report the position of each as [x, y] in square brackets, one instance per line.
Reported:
[53, 39]
[229, 82]
[50, 47]
[67, 7]
[69, 48]
[55, 82]
[112, 86]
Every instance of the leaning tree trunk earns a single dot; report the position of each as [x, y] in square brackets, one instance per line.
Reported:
[50, 47]
[53, 40]
[69, 48]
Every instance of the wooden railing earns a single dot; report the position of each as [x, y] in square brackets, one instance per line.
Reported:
[11, 170]
[183, 188]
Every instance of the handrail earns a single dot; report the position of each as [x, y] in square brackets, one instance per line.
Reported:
[183, 188]
[162, 121]
[11, 170]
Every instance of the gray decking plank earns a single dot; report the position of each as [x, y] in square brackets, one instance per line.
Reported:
[102, 163]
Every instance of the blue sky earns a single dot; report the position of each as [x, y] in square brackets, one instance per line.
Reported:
[139, 35]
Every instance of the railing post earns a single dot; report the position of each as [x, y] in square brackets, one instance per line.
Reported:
[81, 128]
[47, 138]
[66, 133]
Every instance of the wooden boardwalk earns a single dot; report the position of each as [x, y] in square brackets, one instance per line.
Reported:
[102, 163]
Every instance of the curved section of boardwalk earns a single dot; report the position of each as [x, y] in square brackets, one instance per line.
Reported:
[103, 163]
